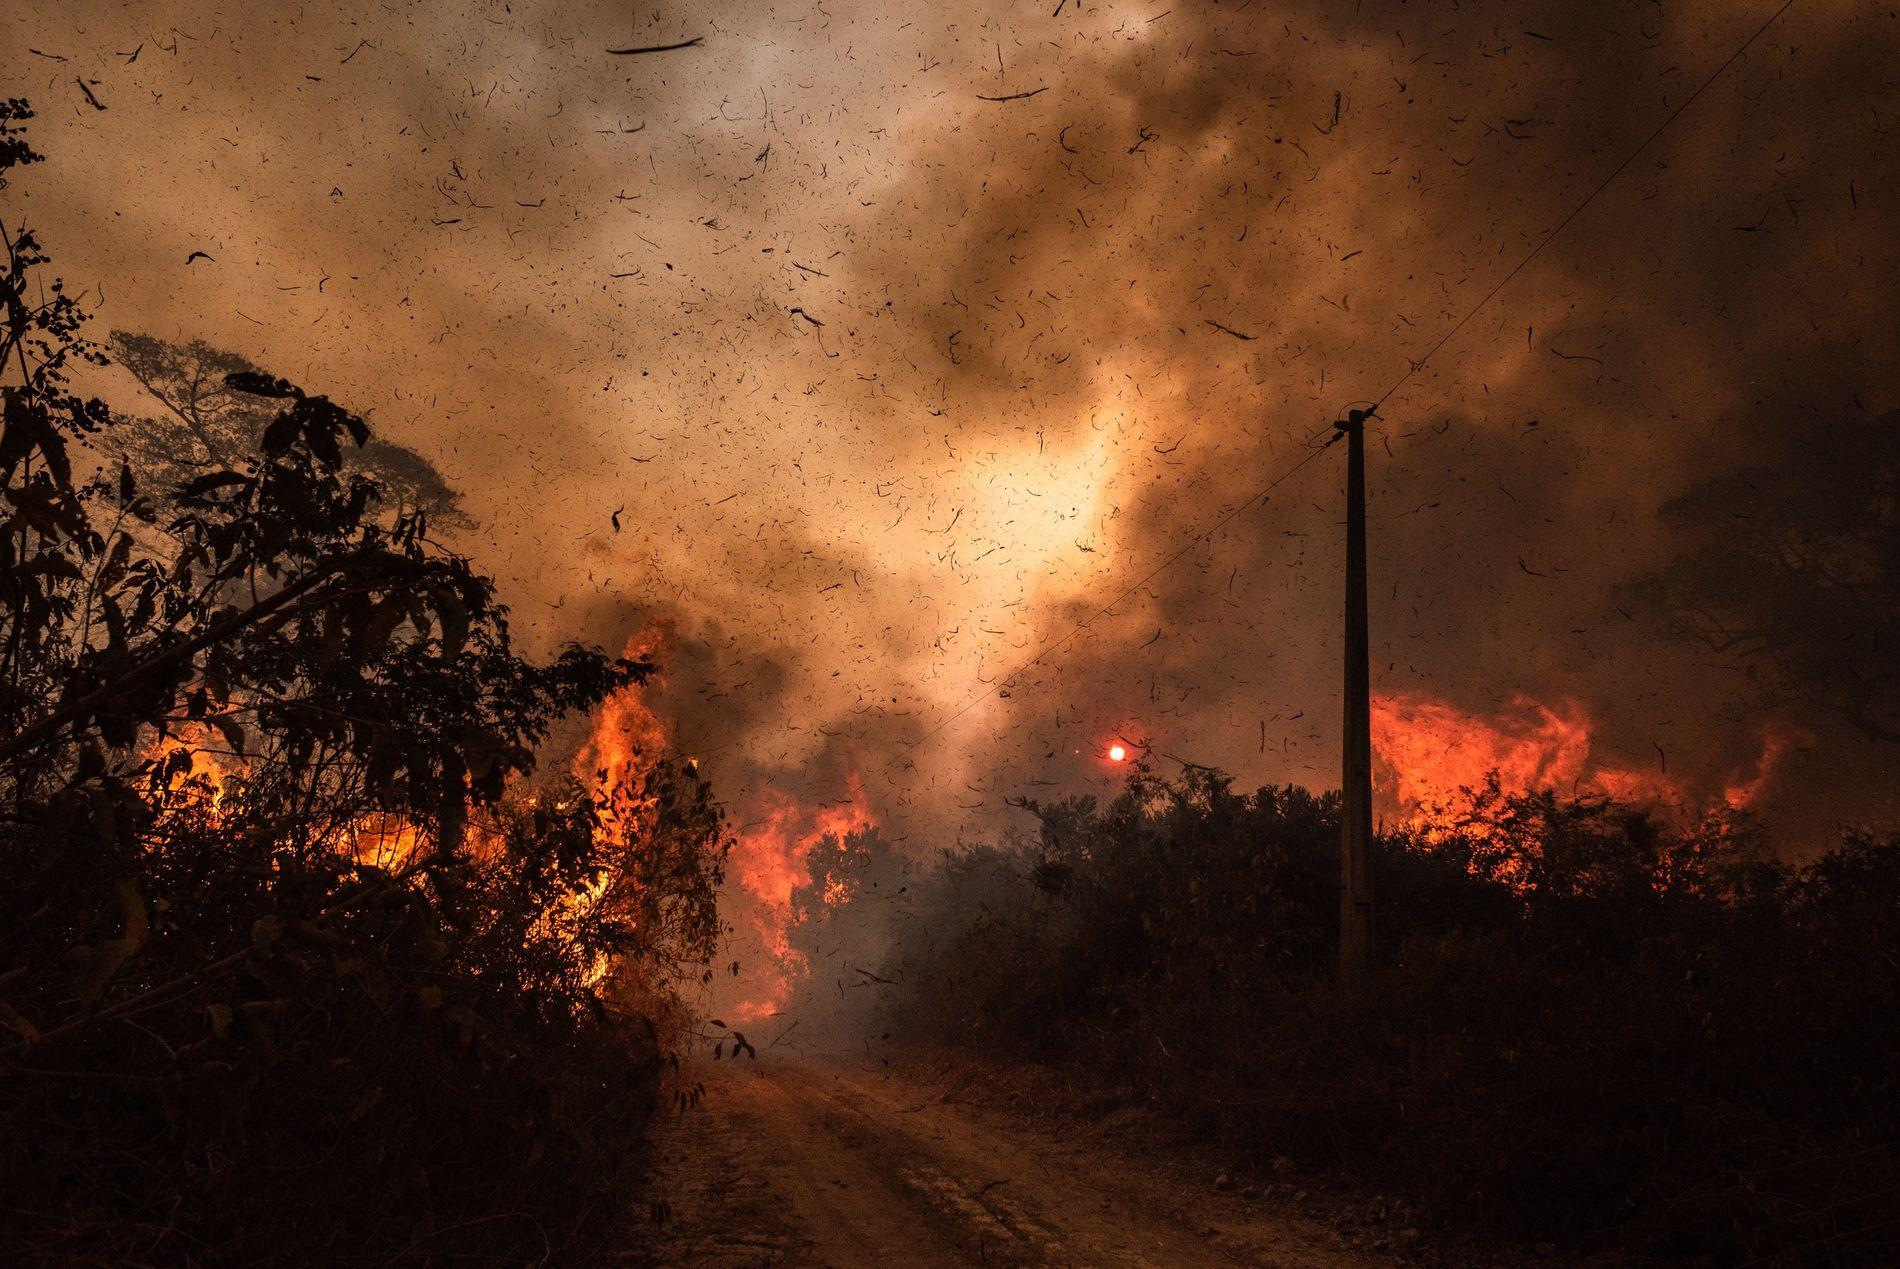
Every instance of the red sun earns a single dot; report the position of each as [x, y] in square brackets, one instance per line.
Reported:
[1117, 753]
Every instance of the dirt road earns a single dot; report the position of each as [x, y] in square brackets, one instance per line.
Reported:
[797, 1163]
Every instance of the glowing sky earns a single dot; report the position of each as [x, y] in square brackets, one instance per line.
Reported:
[896, 384]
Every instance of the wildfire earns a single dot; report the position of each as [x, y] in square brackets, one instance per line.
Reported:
[769, 862]
[201, 775]
[381, 840]
[626, 741]
[769, 856]
[627, 738]
[1775, 746]
[1429, 751]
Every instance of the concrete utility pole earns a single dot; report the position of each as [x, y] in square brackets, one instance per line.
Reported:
[1355, 840]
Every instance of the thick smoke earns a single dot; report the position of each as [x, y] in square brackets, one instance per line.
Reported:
[888, 385]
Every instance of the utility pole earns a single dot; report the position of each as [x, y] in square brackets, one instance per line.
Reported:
[1355, 838]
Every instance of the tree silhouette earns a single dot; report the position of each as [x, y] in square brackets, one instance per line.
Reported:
[1793, 565]
[201, 424]
[292, 957]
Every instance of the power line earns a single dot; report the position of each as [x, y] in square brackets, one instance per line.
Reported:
[1576, 211]
[1413, 368]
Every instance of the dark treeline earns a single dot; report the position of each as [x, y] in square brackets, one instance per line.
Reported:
[1587, 1026]
[296, 964]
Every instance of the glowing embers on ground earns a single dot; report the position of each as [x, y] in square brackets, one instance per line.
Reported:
[1428, 752]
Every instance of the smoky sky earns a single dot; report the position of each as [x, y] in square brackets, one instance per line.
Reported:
[892, 384]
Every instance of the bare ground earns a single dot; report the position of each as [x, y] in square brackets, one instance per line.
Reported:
[791, 1161]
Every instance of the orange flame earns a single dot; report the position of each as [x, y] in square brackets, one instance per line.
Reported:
[1430, 751]
[203, 780]
[626, 742]
[1776, 743]
[769, 860]
[628, 738]
[381, 839]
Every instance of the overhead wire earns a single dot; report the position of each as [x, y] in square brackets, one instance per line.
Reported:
[1413, 367]
[1418, 365]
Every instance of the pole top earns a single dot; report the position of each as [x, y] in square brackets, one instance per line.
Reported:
[1355, 419]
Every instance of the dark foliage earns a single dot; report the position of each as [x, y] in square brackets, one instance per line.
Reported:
[1586, 1026]
[199, 423]
[1791, 566]
[294, 968]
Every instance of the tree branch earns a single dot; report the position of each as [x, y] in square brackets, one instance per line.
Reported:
[217, 631]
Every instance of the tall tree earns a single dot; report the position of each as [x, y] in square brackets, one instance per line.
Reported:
[291, 957]
[201, 424]
[1792, 564]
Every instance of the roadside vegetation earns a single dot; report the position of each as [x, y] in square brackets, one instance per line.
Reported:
[300, 961]
[1587, 1027]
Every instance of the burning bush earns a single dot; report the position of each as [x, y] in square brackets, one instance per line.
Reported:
[293, 964]
[1587, 1025]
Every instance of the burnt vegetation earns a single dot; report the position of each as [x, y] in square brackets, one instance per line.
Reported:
[298, 964]
[1588, 1026]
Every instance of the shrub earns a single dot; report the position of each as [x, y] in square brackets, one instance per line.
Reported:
[1585, 1026]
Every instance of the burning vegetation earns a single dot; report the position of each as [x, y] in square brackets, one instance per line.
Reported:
[772, 858]
[1590, 1023]
[317, 943]
[1429, 755]
[299, 959]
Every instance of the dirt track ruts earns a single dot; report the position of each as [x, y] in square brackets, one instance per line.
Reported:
[789, 1162]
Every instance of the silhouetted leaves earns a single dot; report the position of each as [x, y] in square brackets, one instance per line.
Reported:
[249, 723]
[1791, 567]
[215, 408]
[1588, 1024]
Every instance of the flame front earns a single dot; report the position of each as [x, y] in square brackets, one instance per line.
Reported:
[1429, 752]
[627, 738]
[769, 860]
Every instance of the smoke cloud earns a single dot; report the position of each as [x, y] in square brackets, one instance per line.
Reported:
[904, 340]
